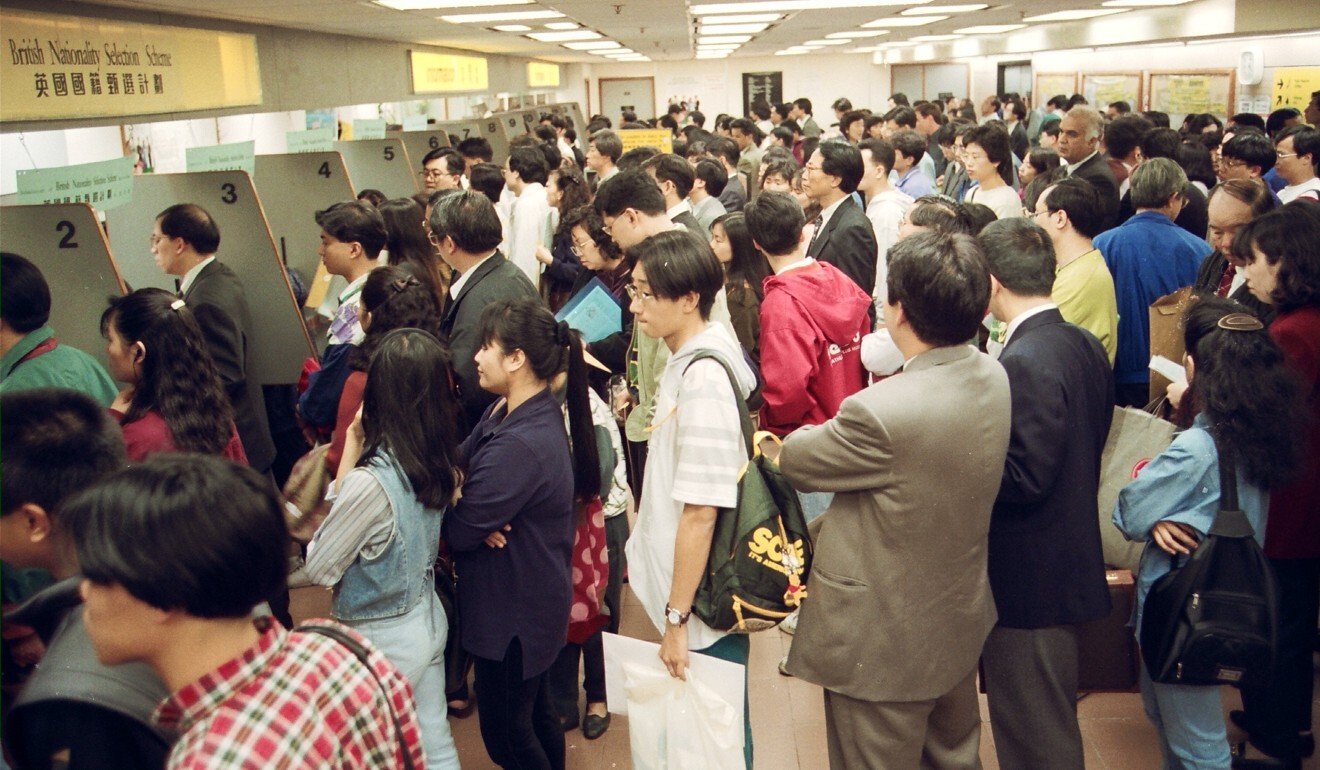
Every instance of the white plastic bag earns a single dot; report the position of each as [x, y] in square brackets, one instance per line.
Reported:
[678, 725]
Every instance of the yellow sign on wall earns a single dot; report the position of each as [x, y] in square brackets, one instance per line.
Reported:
[438, 72]
[1293, 86]
[57, 67]
[659, 138]
[542, 75]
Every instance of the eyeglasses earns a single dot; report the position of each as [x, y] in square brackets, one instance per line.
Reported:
[637, 293]
[812, 167]
[577, 248]
[433, 173]
[1286, 154]
[153, 239]
[1231, 162]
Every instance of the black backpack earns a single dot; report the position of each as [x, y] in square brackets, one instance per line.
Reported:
[1214, 620]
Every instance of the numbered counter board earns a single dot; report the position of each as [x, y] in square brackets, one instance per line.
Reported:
[420, 143]
[68, 246]
[379, 164]
[292, 189]
[573, 111]
[279, 339]
[489, 129]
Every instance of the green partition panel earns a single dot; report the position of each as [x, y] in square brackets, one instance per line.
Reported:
[67, 244]
[293, 188]
[511, 123]
[572, 110]
[279, 338]
[380, 164]
[419, 143]
[460, 129]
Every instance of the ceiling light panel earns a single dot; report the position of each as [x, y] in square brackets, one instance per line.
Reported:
[931, 10]
[904, 21]
[512, 28]
[433, 5]
[563, 37]
[731, 29]
[594, 45]
[790, 53]
[857, 34]
[712, 54]
[933, 38]
[989, 29]
[487, 18]
[826, 42]
[561, 25]
[724, 39]
[785, 6]
[1142, 3]
[749, 18]
[1074, 15]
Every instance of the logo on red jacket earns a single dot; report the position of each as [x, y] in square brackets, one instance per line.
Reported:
[1142, 463]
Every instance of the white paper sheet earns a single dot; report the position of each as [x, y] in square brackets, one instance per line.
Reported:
[1168, 369]
[724, 678]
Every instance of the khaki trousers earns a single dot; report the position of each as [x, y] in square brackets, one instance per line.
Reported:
[944, 732]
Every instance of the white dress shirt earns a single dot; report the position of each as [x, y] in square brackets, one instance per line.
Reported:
[187, 281]
[529, 227]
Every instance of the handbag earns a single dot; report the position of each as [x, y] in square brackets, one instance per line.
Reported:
[1135, 436]
[1215, 619]
[305, 506]
[760, 552]
[591, 572]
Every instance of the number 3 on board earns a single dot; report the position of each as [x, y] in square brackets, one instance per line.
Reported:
[230, 195]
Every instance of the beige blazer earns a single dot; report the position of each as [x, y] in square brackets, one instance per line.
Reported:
[898, 602]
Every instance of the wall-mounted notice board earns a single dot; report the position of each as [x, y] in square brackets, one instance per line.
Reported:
[1189, 93]
[1104, 88]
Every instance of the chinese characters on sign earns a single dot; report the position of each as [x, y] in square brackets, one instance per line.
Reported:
[105, 185]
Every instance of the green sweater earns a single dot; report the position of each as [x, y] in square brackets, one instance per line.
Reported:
[63, 367]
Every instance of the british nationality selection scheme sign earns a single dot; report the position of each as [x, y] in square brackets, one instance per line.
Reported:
[60, 67]
[105, 185]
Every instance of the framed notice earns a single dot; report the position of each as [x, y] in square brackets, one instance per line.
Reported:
[1103, 89]
[765, 87]
[1051, 84]
[1191, 93]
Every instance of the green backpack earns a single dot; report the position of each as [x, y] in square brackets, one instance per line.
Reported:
[760, 553]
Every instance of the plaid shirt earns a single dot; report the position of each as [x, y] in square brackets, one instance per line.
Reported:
[293, 700]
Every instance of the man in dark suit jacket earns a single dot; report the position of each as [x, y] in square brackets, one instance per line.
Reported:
[1046, 569]
[184, 244]
[843, 235]
[467, 233]
[1228, 212]
[1079, 142]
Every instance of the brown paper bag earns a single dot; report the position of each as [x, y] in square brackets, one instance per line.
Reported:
[1135, 436]
[1166, 334]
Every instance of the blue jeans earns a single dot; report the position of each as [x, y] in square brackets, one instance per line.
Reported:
[1190, 724]
[415, 643]
[814, 503]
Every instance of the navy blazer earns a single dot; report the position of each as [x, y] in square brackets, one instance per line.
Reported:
[520, 473]
[1045, 562]
[848, 242]
[1096, 171]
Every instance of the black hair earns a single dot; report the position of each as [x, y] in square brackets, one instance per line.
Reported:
[1123, 135]
[24, 294]
[842, 104]
[1019, 255]
[786, 169]
[942, 283]
[1201, 121]
[911, 144]
[1161, 143]
[634, 189]
[784, 134]
[850, 117]
[749, 128]
[178, 379]
[1018, 108]
[371, 197]
[1287, 237]
[724, 147]
[354, 222]
[775, 222]
[573, 192]
[761, 109]
[1251, 192]
[1043, 160]
[636, 158]
[1058, 101]
[407, 242]
[803, 103]
[1051, 129]
[469, 219]
[695, 149]
[487, 179]
[193, 224]
[608, 144]
[628, 116]
[1081, 202]
[712, 173]
[1247, 120]
[994, 142]
[674, 109]
[551, 347]
[697, 117]
[586, 217]
[979, 215]
[899, 99]
[905, 117]
[1157, 118]
[1122, 108]
[882, 152]
[747, 266]
[551, 155]
[396, 298]
[54, 442]
[453, 161]
[669, 167]
[782, 109]
[545, 133]
[1306, 141]
[184, 532]
[1195, 161]
[677, 263]
[1277, 120]
[939, 213]
[1252, 148]
[410, 411]
[1247, 391]
[476, 147]
[529, 164]
[842, 160]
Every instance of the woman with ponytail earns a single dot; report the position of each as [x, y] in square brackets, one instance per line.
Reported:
[174, 400]
[1247, 405]
[512, 532]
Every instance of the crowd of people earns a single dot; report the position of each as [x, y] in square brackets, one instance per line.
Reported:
[936, 308]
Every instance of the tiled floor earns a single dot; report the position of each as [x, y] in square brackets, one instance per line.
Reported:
[788, 720]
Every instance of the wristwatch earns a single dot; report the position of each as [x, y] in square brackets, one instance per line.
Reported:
[675, 618]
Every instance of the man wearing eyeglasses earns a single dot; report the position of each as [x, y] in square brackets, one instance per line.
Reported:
[442, 169]
[1298, 149]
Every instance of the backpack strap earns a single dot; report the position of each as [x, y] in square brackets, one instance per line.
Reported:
[362, 654]
[748, 429]
[1230, 521]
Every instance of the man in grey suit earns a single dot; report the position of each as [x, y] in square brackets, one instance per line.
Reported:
[900, 600]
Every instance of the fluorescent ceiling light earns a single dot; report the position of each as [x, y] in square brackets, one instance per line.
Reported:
[1074, 15]
[1141, 3]
[430, 5]
[595, 45]
[725, 39]
[512, 28]
[562, 25]
[791, 5]
[904, 21]
[720, 47]
[731, 29]
[928, 10]
[618, 53]
[826, 42]
[633, 57]
[856, 34]
[744, 18]
[787, 52]
[486, 18]
[989, 29]
[712, 54]
[561, 37]
[933, 38]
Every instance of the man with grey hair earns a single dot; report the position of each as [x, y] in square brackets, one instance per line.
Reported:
[1149, 256]
[1079, 147]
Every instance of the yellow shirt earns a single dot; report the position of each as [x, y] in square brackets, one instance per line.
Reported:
[1084, 292]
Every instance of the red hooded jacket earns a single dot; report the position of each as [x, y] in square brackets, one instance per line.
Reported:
[812, 322]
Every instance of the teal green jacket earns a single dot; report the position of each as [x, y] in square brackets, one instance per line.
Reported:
[63, 367]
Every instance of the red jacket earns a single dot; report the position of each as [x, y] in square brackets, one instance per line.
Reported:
[812, 322]
[1292, 530]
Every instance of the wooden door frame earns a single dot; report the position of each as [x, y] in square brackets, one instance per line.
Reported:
[600, 92]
